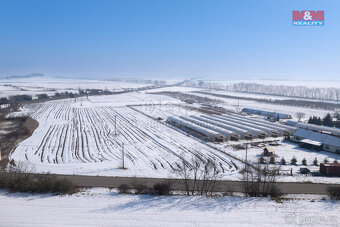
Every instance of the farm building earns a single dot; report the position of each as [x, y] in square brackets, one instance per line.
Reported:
[205, 133]
[317, 140]
[266, 130]
[229, 135]
[267, 113]
[243, 134]
[330, 169]
[256, 132]
[317, 128]
[283, 130]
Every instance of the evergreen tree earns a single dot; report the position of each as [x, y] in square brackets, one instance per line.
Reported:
[283, 161]
[272, 160]
[335, 161]
[327, 120]
[315, 162]
[293, 161]
[304, 162]
[318, 121]
[325, 160]
[310, 120]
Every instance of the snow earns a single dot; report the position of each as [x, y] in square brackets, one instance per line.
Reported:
[306, 83]
[288, 151]
[77, 136]
[104, 207]
[237, 105]
[50, 85]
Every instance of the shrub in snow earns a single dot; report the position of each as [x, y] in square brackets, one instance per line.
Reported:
[304, 162]
[315, 162]
[283, 161]
[325, 160]
[293, 161]
[141, 189]
[334, 192]
[272, 160]
[335, 161]
[162, 189]
[123, 188]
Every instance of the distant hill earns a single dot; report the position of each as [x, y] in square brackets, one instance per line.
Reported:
[26, 76]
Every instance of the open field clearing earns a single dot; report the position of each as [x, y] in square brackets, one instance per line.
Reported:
[46, 85]
[104, 207]
[77, 136]
[237, 105]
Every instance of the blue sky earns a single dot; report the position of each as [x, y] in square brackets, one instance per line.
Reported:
[160, 38]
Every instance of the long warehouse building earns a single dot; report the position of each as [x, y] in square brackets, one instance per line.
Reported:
[289, 129]
[268, 131]
[229, 135]
[257, 133]
[207, 134]
[282, 129]
[244, 134]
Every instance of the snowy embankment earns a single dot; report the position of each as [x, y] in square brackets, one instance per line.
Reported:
[104, 207]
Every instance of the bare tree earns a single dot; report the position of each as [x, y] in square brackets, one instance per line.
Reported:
[260, 181]
[300, 115]
[200, 176]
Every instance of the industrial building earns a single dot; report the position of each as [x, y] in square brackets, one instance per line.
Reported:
[317, 140]
[317, 128]
[255, 131]
[243, 134]
[330, 169]
[205, 133]
[267, 113]
[226, 127]
[229, 135]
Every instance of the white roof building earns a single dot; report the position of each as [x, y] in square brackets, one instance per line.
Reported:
[323, 141]
[207, 133]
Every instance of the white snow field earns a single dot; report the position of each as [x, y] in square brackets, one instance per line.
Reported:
[77, 136]
[104, 207]
[50, 85]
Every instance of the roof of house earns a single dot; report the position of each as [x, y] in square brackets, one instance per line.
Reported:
[316, 138]
[330, 164]
[270, 149]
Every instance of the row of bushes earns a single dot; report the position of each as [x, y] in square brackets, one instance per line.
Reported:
[157, 189]
[293, 161]
[20, 182]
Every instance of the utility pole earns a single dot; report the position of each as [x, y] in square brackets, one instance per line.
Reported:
[115, 125]
[246, 168]
[123, 155]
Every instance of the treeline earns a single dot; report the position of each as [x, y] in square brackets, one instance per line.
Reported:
[15, 100]
[286, 102]
[329, 93]
[327, 120]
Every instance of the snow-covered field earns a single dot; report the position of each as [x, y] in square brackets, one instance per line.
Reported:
[306, 83]
[104, 207]
[50, 85]
[77, 136]
[237, 105]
